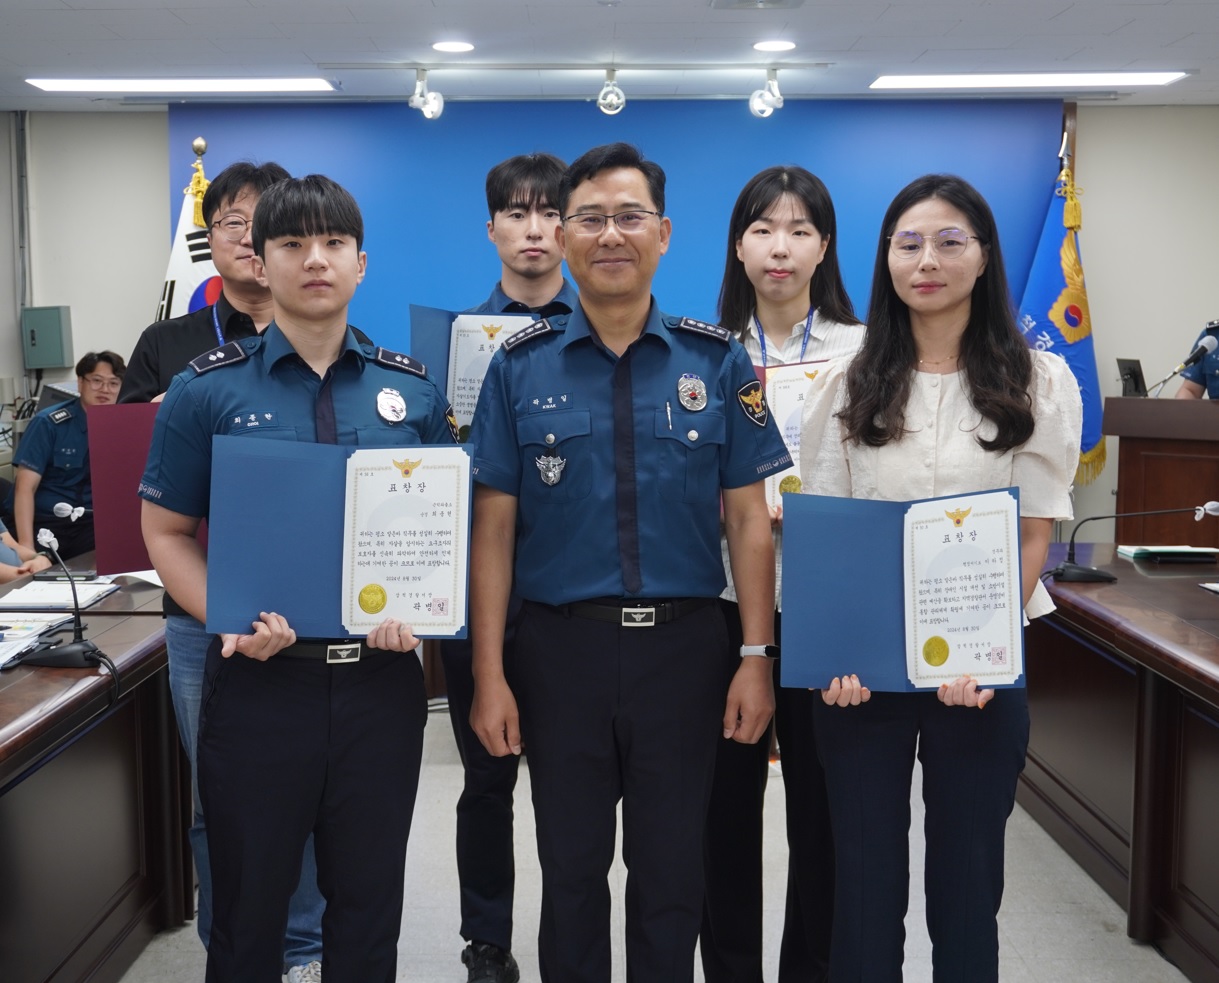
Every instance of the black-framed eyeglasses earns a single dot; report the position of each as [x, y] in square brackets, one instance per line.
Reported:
[232, 227]
[947, 244]
[594, 223]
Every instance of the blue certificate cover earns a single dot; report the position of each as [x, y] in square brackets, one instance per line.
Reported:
[844, 592]
[275, 540]
[430, 339]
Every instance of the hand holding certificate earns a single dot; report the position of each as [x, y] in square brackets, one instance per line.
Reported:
[906, 595]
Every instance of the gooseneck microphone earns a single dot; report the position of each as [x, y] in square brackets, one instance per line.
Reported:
[80, 653]
[1204, 347]
[1074, 573]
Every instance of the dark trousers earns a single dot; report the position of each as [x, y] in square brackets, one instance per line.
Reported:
[486, 869]
[731, 939]
[971, 759]
[292, 746]
[631, 714]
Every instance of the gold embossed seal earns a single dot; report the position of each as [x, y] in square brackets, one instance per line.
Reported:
[372, 598]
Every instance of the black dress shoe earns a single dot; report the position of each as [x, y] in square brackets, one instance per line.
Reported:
[489, 964]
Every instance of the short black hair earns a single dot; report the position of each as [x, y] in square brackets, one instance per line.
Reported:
[306, 206]
[234, 179]
[526, 181]
[89, 362]
[608, 157]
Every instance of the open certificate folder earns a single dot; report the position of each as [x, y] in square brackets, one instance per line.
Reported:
[905, 595]
[337, 538]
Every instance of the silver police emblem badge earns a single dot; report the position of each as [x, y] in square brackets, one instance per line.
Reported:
[692, 392]
[391, 407]
[551, 468]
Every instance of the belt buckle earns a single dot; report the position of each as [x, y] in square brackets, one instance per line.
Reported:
[638, 618]
[343, 652]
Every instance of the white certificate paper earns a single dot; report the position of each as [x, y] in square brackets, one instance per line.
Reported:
[785, 389]
[473, 339]
[965, 612]
[405, 540]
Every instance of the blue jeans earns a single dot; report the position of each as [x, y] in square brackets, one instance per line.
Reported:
[187, 641]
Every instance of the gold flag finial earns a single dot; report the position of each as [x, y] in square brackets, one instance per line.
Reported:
[1072, 214]
[198, 183]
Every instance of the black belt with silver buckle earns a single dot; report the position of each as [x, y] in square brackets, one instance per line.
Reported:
[332, 652]
[636, 613]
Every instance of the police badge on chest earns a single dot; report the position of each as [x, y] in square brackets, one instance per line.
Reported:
[550, 467]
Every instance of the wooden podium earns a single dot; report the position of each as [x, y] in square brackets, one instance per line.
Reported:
[1168, 458]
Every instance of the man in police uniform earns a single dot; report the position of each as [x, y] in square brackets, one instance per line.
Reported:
[243, 310]
[522, 199]
[51, 465]
[291, 741]
[604, 442]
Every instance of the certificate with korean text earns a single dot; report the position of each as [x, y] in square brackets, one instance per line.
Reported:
[473, 340]
[906, 595]
[785, 389]
[964, 611]
[405, 539]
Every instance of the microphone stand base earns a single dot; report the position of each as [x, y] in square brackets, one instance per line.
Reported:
[81, 654]
[1074, 573]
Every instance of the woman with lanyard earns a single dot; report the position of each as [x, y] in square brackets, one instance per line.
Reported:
[945, 397]
[783, 296]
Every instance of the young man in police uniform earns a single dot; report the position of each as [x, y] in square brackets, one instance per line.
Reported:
[164, 349]
[604, 441]
[290, 742]
[522, 200]
[52, 461]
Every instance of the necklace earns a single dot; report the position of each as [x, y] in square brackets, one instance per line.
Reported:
[946, 358]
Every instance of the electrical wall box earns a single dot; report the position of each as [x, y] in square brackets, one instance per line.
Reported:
[46, 337]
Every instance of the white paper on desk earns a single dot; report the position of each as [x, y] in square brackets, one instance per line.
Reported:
[785, 389]
[54, 594]
[10, 651]
[964, 600]
[30, 625]
[473, 339]
[406, 539]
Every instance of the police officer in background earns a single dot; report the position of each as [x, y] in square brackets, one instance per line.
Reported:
[604, 442]
[291, 741]
[522, 199]
[51, 465]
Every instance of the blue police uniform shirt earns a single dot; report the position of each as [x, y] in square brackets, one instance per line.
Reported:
[259, 388]
[564, 302]
[544, 429]
[56, 445]
[1206, 372]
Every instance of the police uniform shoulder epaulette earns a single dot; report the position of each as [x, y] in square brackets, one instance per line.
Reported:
[61, 415]
[703, 328]
[397, 360]
[535, 330]
[231, 354]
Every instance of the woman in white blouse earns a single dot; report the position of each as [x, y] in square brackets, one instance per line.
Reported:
[783, 297]
[945, 397]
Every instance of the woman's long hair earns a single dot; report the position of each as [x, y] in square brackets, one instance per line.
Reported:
[994, 356]
[826, 292]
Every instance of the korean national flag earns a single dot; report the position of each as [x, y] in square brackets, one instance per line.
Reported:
[191, 280]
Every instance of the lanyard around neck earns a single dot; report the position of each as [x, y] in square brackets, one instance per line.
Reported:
[808, 327]
[216, 325]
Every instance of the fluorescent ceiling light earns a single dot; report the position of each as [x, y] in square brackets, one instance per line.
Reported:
[774, 46]
[1027, 80]
[182, 85]
[453, 47]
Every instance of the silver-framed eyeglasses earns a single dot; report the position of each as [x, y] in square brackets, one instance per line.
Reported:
[593, 223]
[946, 244]
[232, 227]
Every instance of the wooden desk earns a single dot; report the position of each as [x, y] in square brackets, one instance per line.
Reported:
[92, 817]
[1123, 766]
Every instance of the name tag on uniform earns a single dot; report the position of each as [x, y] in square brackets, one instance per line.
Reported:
[252, 420]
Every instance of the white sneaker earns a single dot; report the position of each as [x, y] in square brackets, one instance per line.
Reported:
[310, 973]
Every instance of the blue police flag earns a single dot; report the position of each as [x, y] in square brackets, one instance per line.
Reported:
[1054, 314]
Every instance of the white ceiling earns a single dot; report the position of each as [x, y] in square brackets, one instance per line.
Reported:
[555, 49]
